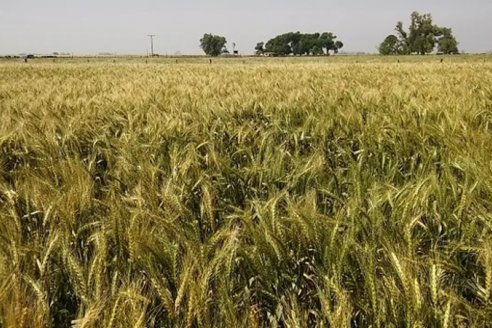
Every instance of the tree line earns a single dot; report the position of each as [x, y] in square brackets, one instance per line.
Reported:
[422, 37]
[292, 43]
[298, 43]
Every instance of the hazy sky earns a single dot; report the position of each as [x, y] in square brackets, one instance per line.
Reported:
[121, 26]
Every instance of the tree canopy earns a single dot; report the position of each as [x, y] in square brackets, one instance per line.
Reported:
[390, 46]
[213, 45]
[260, 48]
[447, 43]
[421, 38]
[298, 43]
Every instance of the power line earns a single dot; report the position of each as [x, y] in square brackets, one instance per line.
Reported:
[151, 36]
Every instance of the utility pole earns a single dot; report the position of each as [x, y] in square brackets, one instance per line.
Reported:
[151, 36]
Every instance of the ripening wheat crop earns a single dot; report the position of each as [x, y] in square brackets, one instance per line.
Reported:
[268, 193]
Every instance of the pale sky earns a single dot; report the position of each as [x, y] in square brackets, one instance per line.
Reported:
[121, 26]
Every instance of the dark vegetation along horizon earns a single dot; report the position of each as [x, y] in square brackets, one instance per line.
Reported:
[422, 37]
[293, 43]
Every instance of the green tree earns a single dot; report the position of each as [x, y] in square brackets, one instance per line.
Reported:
[294, 40]
[213, 45]
[447, 43]
[280, 45]
[421, 38]
[307, 44]
[391, 46]
[403, 37]
[422, 33]
[328, 41]
[338, 46]
[260, 48]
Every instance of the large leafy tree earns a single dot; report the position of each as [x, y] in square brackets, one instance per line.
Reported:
[422, 34]
[213, 45]
[391, 46]
[279, 45]
[447, 43]
[421, 38]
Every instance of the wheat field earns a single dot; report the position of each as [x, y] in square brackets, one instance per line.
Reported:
[246, 193]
